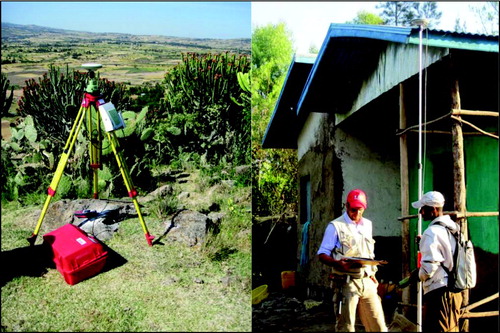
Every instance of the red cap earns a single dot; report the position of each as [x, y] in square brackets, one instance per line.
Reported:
[357, 199]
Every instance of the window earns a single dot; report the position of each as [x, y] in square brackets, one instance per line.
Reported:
[305, 199]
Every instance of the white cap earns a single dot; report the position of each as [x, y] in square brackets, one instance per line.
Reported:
[431, 199]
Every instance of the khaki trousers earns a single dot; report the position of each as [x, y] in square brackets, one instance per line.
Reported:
[359, 296]
[441, 311]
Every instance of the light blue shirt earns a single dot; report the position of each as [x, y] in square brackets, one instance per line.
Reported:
[331, 239]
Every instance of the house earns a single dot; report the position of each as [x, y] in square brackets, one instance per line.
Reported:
[354, 122]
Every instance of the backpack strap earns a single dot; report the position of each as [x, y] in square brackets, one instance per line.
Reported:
[451, 276]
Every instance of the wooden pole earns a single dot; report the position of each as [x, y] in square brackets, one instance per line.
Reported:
[466, 314]
[455, 213]
[405, 228]
[459, 194]
[474, 126]
[478, 303]
[458, 112]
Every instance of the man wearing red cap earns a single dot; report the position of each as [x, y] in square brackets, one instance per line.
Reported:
[355, 285]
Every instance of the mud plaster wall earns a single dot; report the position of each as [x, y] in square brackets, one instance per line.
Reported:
[337, 161]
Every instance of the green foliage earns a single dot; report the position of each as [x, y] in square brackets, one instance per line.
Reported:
[6, 101]
[162, 208]
[134, 140]
[271, 56]
[365, 17]
[49, 108]
[204, 109]
[271, 44]
[10, 191]
[146, 94]
[55, 99]
[274, 189]
[26, 160]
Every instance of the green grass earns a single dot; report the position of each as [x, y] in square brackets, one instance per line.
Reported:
[142, 69]
[167, 287]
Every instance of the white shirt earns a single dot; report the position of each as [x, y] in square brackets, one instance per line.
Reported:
[436, 247]
[331, 239]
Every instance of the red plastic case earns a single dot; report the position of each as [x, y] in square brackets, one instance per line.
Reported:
[76, 254]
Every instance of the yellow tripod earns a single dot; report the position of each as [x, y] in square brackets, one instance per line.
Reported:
[91, 102]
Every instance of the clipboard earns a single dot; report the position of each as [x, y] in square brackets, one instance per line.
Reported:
[366, 261]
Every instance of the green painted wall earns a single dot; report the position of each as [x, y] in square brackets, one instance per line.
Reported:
[481, 160]
[481, 177]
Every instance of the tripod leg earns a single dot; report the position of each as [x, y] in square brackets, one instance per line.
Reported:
[128, 183]
[59, 171]
[95, 148]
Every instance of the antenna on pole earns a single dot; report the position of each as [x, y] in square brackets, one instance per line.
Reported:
[422, 24]
[92, 81]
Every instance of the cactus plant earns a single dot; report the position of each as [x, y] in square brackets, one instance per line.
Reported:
[49, 106]
[6, 101]
[203, 92]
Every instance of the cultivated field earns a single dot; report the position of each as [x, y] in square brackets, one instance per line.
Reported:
[27, 51]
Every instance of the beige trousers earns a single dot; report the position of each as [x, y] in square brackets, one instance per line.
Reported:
[359, 296]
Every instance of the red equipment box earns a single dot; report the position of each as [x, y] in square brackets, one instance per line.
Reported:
[76, 254]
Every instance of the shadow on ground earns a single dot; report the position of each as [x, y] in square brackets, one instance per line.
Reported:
[35, 261]
[282, 312]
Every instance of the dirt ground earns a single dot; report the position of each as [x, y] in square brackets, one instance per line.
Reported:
[283, 311]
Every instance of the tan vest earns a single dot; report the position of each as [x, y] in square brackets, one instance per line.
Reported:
[353, 244]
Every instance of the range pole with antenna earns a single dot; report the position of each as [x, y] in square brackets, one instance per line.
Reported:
[422, 23]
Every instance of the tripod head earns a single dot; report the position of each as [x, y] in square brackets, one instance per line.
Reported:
[92, 81]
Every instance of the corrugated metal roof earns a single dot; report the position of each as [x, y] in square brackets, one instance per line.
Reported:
[381, 32]
[348, 55]
[435, 37]
[455, 40]
[283, 123]
[351, 46]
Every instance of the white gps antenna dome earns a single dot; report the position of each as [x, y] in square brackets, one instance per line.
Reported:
[91, 66]
[420, 22]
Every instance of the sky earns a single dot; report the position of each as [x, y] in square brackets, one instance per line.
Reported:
[178, 19]
[309, 21]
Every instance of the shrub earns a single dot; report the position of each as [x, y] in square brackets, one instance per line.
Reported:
[49, 108]
[203, 110]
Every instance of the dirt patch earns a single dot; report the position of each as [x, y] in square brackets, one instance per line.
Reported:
[283, 312]
[6, 133]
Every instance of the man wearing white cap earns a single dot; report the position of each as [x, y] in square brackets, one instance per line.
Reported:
[355, 285]
[441, 306]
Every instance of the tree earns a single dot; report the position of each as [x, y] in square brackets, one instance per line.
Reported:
[488, 16]
[395, 12]
[274, 170]
[427, 10]
[313, 49]
[365, 17]
[401, 13]
[460, 26]
[271, 55]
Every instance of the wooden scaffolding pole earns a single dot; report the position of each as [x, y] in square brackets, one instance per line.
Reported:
[405, 228]
[459, 191]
